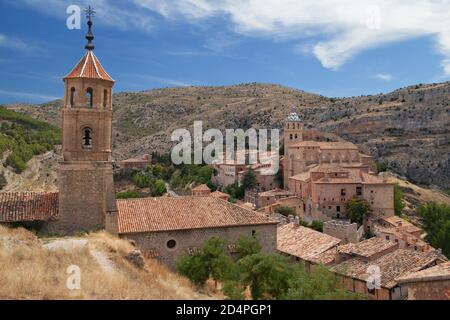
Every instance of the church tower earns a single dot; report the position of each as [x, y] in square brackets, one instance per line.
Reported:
[85, 176]
[292, 133]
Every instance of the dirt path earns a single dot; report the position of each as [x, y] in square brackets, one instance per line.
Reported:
[102, 259]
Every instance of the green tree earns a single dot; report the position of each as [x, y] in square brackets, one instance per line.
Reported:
[356, 209]
[399, 204]
[322, 284]
[248, 180]
[127, 195]
[436, 222]
[285, 211]
[158, 188]
[317, 225]
[267, 275]
[211, 262]
[142, 180]
[246, 246]
[381, 167]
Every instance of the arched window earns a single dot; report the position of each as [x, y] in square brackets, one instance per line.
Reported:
[89, 97]
[105, 99]
[72, 97]
[87, 138]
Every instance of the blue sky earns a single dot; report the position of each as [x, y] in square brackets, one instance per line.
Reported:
[340, 48]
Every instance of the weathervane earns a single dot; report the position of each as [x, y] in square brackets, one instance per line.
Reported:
[89, 14]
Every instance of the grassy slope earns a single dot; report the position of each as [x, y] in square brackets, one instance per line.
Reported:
[30, 271]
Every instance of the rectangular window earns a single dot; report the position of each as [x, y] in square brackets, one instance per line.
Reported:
[358, 191]
[338, 208]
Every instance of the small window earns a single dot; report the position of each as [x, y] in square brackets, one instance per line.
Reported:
[89, 97]
[338, 208]
[171, 244]
[387, 237]
[72, 97]
[371, 291]
[290, 137]
[358, 191]
[343, 192]
[253, 233]
[105, 99]
[87, 138]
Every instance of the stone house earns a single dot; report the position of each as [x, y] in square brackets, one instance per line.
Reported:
[167, 227]
[429, 284]
[201, 190]
[303, 244]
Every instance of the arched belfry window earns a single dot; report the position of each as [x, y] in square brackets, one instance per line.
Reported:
[89, 97]
[105, 99]
[72, 97]
[87, 138]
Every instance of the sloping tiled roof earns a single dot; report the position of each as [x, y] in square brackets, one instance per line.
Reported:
[89, 67]
[367, 248]
[275, 192]
[436, 273]
[202, 187]
[303, 242]
[181, 213]
[407, 226]
[392, 266]
[28, 206]
[219, 194]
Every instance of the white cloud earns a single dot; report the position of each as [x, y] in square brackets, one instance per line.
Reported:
[28, 95]
[117, 14]
[344, 27]
[162, 80]
[16, 44]
[384, 76]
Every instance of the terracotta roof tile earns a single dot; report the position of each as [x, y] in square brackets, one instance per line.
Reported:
[392, 266]
[180, 213]
[28, 206]
[436, 273]
[367, 248]
[202, 187]
[303, 242]
[89, 67]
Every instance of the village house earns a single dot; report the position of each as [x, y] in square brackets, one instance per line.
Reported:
[201, 190]
[303, 244]
[139, 163]
[167, 227]
[429, 284]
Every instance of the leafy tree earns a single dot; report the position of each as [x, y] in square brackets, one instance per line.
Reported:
[317, 225]
[158, 188]
[127, 195]
[246, 246]
[436, 222]
[3, 181]
[322, 284]
[399, 204]
[356, 209]
[142, 180]
[248, 180]
[211, 262]
[267, 275]
[381, 167]
[193, 268]
[285, 211]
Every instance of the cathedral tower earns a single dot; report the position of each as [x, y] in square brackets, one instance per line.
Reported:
[85, 176]
[292, 133]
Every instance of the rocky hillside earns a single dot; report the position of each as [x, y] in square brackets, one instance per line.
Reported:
[407, 129]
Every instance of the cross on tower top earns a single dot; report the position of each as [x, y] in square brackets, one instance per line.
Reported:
[89, 14]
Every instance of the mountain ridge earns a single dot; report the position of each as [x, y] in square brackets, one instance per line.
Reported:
[413, 120]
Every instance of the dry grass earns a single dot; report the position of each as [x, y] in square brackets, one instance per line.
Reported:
[30, 271]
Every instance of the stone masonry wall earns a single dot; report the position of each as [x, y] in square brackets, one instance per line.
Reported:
[154, 244]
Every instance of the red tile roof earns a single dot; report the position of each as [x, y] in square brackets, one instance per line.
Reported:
[202, 187]
[392, 266]
[28, 206]
[440, 272]
[181, 213]
[89, 67]
[303, 242]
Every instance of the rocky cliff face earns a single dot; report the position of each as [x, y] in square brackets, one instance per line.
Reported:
[407, 129]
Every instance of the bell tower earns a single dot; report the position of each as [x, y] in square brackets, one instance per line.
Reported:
[292, 133]
[85, 176]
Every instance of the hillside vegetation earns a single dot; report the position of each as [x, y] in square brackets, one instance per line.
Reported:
[34, 268]
[24, 137]
[407, 130]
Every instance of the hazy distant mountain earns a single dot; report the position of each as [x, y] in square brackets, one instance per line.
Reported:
[407, 129]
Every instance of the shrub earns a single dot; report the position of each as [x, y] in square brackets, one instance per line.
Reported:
[3, 181]
[399, 204]
[285, 211]
[127, 195]
[356, 209]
